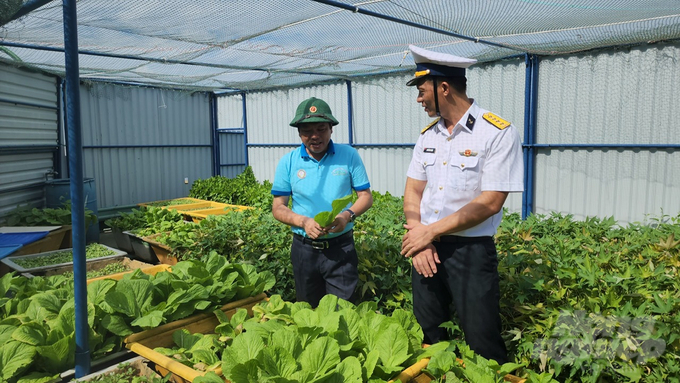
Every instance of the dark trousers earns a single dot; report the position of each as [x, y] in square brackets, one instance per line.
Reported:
[331, 270]
[467, 277]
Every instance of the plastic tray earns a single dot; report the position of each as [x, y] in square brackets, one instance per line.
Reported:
[9, 261]
[142, 249]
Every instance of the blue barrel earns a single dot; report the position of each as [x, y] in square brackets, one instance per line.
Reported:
[59, 191]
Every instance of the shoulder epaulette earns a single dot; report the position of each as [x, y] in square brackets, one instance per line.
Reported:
[431, 124]
[496, 121]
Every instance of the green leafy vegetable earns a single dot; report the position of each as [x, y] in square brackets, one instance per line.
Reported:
[325, 218]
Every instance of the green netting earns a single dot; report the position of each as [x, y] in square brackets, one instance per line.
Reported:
[260, 44]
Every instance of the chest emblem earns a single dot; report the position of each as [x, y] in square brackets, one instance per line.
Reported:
[339, 172]
[301, 174]
[467, 153]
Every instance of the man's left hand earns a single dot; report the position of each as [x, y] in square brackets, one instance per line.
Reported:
[416, 239]
[338, 224]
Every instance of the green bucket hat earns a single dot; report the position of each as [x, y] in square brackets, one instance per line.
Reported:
[313, 110]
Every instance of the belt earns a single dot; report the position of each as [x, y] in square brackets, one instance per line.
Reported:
[320, 244]
[459, 239]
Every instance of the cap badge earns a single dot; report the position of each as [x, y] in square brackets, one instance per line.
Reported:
[312, 109]
[467, 153]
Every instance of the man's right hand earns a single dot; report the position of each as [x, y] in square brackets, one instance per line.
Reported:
[425, 261]
[313, 229]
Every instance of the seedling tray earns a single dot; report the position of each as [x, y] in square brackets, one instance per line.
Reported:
[198, 215]
[10, 261]
[143, 343]
[168, 202]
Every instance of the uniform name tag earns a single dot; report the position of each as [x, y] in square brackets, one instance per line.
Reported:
[429, 150]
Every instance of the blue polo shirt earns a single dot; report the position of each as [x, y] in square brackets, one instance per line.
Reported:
[314, 185]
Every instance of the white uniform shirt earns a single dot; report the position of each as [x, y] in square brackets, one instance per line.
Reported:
[477, 156]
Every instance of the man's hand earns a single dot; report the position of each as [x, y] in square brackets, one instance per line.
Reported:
[416, 239]
[425, 261]
[338, 225]
[313, 229]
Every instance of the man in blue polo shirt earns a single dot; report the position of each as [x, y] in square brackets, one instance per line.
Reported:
[314, 175]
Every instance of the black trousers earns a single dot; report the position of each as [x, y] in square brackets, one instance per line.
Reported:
[324, 267]
[467, 277]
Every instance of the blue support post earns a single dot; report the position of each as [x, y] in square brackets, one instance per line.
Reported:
[530, 107]
[217, 169]
[350, 113]
[75, 146]
[245, 128]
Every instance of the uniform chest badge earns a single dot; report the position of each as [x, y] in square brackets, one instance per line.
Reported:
[301, 174]
[467, 153]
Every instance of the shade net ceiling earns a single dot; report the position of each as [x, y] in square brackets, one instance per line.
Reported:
[236, 45]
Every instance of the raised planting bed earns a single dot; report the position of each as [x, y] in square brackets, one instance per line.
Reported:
[144, 343]
[198, 215]
[302, 340]
[113, 268]
[146, 269]
[123, 241]
[125, 371]
[162, 251]
[142, 249]
[415, 374]
[42, 262]
[171, 202]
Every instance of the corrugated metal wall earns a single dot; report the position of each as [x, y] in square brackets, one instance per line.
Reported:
[626, 96]
[231, 137]
[28, 136]
[385, 112]
[140, 144]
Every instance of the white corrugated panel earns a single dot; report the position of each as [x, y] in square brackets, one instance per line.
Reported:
[615, 97]
[269, 113]
[230, 112]
[500, 88]
[28, 119]
[264, 161]
[154, 120]
[386, 112]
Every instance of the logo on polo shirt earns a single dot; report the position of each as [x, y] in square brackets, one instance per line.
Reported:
[339, 172]
[301, 174]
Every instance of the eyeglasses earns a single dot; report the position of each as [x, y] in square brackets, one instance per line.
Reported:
[310, 132]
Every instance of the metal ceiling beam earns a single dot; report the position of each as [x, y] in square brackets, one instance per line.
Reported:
[416, 25]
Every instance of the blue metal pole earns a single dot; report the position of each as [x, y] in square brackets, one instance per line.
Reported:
[245, 128]
[350, 113]
[530, 101]
[217, 169]
[76, 169]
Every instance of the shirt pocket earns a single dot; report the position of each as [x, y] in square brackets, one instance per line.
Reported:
[427, 161]
[464, 173]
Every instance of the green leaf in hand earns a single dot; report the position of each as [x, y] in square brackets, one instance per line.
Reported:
[325, 218]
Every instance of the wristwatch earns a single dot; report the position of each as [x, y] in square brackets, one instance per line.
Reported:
[352, 216]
